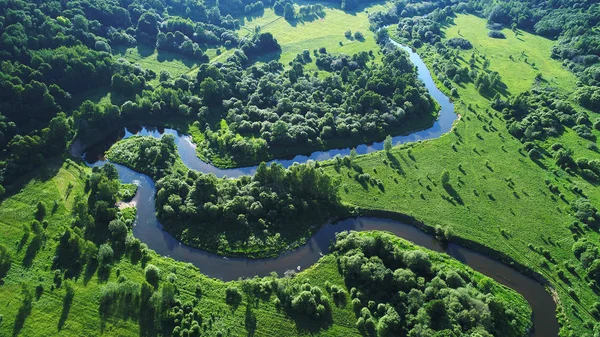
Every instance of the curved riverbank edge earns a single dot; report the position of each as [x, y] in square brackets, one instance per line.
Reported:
[474, 245]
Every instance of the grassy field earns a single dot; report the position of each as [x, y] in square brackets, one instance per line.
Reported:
[498, 196]
[326, 32]
[48, 313]
[530, 55]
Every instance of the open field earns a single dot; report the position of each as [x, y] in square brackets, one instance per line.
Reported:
[326, 32]
[530, 53]
[498, 196]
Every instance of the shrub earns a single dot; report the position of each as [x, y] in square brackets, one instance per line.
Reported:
[233, 296]
[105, 254]
[459, 42]
[496, 34]
[152, 274]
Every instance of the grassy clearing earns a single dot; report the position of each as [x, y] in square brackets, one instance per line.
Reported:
[530, 53]
[497, 195]
[326, 32]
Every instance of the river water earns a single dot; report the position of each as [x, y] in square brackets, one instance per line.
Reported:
[150, 231]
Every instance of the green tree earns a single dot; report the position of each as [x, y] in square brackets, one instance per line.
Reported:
[445, 177]
[152, 274]
[387, 143]
[289, 13]
[5, 261]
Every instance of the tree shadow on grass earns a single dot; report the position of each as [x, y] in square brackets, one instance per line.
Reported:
[395, 163]
[32, 250]
[453, 193]
[44, 173]
[310, 325]
[24, 311]
[90, 270]
[268, 57]
[67, 302]
[250, 321]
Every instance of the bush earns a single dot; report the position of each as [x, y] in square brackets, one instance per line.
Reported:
[359, 36]
[233, 296]
[152, 274]
[459, 42]
[496, 34]
[105, 254]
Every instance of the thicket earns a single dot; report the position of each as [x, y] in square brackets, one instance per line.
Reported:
[53, 53]
[400, 290]
[148, 155]
[538, 114]
[258, 216]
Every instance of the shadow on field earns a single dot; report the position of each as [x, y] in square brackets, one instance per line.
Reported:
[67, 302]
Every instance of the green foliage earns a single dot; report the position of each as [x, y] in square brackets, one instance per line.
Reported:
[152, 274]
[233, 296]
[387, 143]
[379, 264]
[105, 254]
[148, 155]
[259, 216]
[5, 261]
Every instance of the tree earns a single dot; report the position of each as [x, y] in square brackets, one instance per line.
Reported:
[289, 12]
[594, 271]
[445, 177]
[387, 143]
[5, 261]
[233, 296]
[152, 274]
[105, 254]
[210, 91]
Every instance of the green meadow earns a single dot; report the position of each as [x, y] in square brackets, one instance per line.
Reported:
[497, 196]
[327, 31]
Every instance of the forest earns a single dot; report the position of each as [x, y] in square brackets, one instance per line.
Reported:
[258, 216]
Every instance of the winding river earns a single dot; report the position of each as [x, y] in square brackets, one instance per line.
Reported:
[149, 230]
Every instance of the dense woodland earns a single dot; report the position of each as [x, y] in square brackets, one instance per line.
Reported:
[397, 290]
[153, 157]
[49, 54]
[257, 216]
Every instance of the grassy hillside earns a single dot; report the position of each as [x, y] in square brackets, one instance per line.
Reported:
[326, 32]
[496, 196]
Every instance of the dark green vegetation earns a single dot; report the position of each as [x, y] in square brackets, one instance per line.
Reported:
[259, 216]
[400, 290]
[153, 157]
[268, 111]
